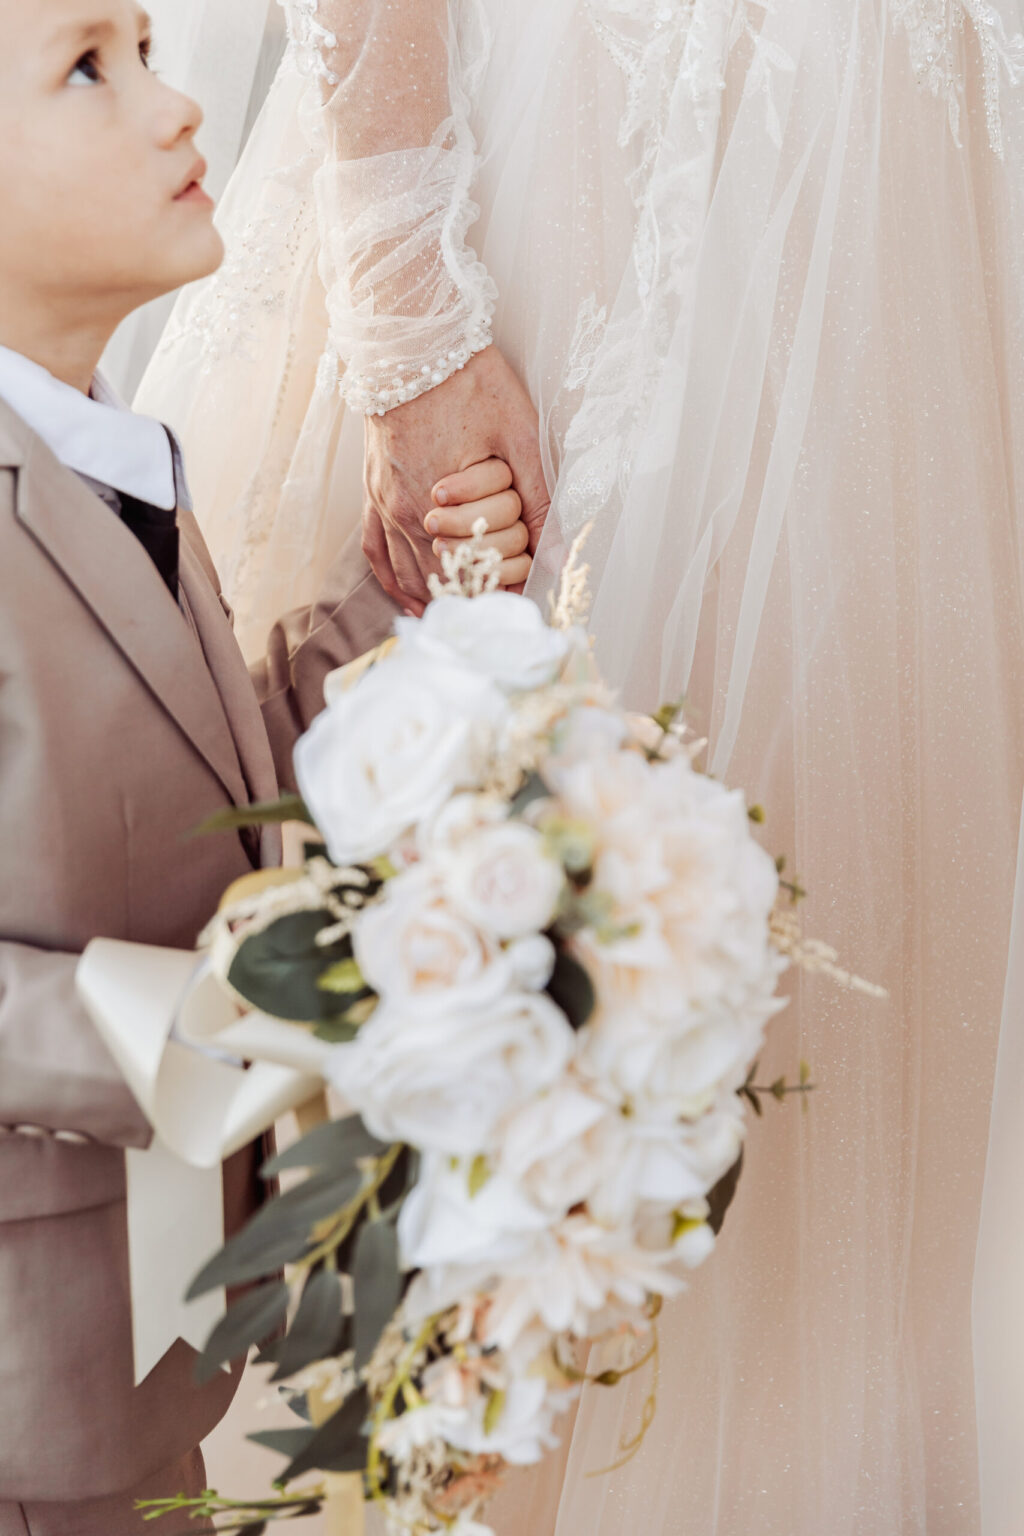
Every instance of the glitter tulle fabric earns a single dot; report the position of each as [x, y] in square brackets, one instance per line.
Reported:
[762, 269]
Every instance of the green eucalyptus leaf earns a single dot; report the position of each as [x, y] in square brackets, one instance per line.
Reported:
[378, 1285]
[288, 1442]
[572, 989]
[247, 1321]
[271, 1239]
[339, 1445]
[722, 1196]
[317, 1328]
[263, 813]
[279, 969]
[532, 788]
[334, 1146]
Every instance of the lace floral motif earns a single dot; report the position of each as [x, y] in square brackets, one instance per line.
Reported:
[935, 31]
[673, 58]
[309, 39]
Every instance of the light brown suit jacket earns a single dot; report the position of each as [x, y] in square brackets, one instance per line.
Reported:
[124, 721]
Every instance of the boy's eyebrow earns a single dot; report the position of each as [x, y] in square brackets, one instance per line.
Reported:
[87, 34]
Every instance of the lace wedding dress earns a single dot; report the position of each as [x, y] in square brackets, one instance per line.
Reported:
[761, 266]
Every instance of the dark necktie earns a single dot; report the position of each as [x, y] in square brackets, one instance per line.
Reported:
[157, 532]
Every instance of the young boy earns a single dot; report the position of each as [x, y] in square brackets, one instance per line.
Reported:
[126, 716]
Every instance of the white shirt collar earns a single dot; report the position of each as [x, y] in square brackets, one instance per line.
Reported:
[97, 436]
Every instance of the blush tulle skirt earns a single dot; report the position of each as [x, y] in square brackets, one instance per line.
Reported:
[762, 269]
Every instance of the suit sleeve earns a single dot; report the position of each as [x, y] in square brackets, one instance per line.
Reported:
[351, 616]
[55, 1071]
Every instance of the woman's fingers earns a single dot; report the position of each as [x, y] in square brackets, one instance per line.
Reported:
[473, 484]
[509, 542]
[456, 522]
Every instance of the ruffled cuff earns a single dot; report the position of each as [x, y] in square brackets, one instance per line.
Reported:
[408, 301]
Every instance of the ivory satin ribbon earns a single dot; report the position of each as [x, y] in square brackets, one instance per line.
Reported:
[202, 1110]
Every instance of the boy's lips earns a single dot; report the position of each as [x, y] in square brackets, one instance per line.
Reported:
[192, 191]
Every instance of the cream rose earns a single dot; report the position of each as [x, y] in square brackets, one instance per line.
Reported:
[443, 1081]
[391, 751]
[501, 635]
[503, 879]
[421, 954]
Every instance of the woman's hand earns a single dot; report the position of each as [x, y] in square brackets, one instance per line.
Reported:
[481, 414]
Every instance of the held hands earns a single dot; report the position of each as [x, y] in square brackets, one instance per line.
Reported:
[483, 422]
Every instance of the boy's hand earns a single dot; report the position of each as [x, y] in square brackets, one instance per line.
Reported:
[482, 491]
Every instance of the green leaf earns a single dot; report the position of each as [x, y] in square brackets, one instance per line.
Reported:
[278, 970]
[778, 1089]
[317, 1328]
[333, 1146]
[493, 1412]
[572, 989]
[378, 1285]
[261, 1248]
[480, 1173]
[343, 977]
[532, 788]
[287, 1442]
[248, 1321]
[340, 1445]
[279, 1234]
[666, 717]
[805, 1073]
[263, 813]
[338, 1031]
[723, 1194]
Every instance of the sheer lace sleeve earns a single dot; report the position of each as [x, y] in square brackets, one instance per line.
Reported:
[408, 301]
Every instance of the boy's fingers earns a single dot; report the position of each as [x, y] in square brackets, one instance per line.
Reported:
[509, 542]
[500, 511]
[488, 478]
[514, 572]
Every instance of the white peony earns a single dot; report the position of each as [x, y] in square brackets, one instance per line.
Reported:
[563, 1277]
[691, 892]
[504, 880]
[501, 635]
[442, 1081]
[391, 751]
[421, 954]
[444, 1223]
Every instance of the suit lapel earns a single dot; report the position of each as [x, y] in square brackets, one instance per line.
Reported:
[115, 577]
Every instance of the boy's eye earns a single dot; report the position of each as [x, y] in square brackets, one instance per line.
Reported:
[146, 51]
[87, 70]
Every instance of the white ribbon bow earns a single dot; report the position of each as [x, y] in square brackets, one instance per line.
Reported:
[202, 1109]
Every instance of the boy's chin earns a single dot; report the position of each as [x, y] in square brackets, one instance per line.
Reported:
[193, 259]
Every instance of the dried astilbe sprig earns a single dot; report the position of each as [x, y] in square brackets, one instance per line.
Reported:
[470, 569]
[813, 957]
[571, 608]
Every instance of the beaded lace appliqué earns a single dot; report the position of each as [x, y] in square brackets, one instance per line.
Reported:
[935, 31]
[310, 40]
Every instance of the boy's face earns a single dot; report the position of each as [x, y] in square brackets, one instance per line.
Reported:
[101, 203]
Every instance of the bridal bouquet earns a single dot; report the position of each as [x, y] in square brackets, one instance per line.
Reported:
[538, 949]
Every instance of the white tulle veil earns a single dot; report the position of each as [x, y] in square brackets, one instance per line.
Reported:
[762, 268]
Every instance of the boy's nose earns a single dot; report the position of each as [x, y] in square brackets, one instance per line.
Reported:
[181, 117]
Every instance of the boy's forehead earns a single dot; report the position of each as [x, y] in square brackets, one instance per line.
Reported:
[51, 21]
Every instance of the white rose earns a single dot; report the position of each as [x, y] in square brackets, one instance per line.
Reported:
[561, 1146]
[442, 1081]
[421, 954]
[668, 1069]
[443, 1223]
[502, 635]
[504, 880]
[532, 961]
[665, 1165]
[391, 751]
